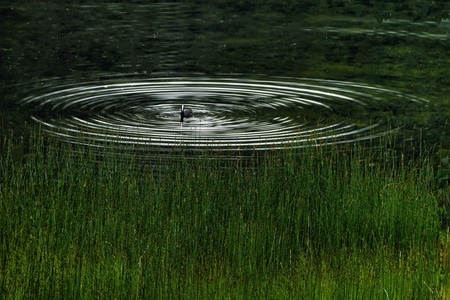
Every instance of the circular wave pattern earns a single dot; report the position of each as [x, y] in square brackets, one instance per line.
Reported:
[229, 113]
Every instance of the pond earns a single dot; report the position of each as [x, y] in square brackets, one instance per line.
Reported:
[257, 75]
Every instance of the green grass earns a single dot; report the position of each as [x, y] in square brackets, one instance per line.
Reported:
[320, 223]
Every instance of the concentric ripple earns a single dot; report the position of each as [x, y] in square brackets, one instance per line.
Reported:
[229, 113]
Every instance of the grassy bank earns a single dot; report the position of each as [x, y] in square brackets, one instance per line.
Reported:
[315, 223]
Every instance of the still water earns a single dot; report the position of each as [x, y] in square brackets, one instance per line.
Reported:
[257, 76]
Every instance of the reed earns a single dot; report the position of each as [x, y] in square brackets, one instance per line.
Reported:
[336, 222]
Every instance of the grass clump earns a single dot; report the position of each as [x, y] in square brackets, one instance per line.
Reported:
[345, 222]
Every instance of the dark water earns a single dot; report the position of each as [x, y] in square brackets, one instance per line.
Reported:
[257, 76]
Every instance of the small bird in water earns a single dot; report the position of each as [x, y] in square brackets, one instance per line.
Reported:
[185, 113]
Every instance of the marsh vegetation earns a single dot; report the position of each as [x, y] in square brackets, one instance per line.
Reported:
[320, 222]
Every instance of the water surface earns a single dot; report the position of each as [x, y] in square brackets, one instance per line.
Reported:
[256, 76]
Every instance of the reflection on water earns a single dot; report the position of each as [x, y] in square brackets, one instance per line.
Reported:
[431, 30]
[120, 71]
[230, 113]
